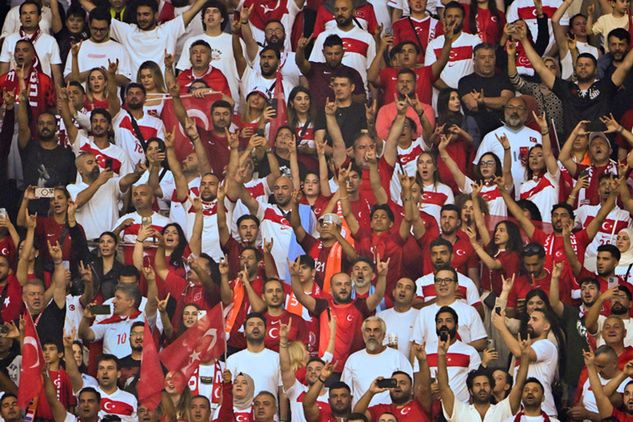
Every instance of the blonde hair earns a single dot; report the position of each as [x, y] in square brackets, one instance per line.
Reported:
[297, 352]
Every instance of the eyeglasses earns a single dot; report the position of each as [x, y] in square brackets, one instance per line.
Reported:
[93, 29]
[444, 280]
[487, 163]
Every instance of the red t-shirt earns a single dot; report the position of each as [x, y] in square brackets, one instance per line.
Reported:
[64, 389]
[621, 416]
[11, 303]
[186, 293]
[214, 78]
[297, 329]
[510, 264]
[44, 98]
[365, 12]
[7, 248]
[386, 245]
[48, 230]
[320, 253]
[319, 205]
[412, 411]
[237, 338]
[424, 83]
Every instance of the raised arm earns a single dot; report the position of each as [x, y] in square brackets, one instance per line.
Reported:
[565, 155]
[226, 294]
[478, 215]
[546, 75]
[605, 408]
[324, 181]
[71, 366]
[623, 69]
[311, 411]
[288, 378]
[550, 159]
[442, 60]
[554, 292]
[390, 151]
[59, 274]
[525, 223]
[595, 224]
[306, 300]
[62, 101]
[295, 218]
[517, 389]
[23, 262]
[300, 55]
[152, 292]
[24, 129]
[339, 151]
[114, 104]
[192, 132]
[446, 394]
[374, 178]
[192, 11]
[381, 284]
[506, 172]
[348, 214]
[182, 186]
[247, 35]
[459, 177]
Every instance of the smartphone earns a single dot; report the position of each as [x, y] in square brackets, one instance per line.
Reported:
[273, 104]
[108, 163]
[201, 314]
[44, 192]
[4, 214]
[387, 383]
[260, 132]
[100, 309]
[583, 173]
[595, 126]
[491, 344]
[443, 336]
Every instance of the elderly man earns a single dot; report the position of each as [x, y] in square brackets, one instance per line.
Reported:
[376, 360]
[521, 137]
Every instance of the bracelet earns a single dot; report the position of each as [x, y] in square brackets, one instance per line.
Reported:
[57, 262]
[284, 345]
[139, 241]
[507, 149]
[320, 379]
[243, 23]
[545, 133]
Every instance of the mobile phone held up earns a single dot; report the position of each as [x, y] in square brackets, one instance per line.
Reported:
[387, 383]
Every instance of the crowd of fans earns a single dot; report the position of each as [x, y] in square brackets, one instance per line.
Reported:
[412, 210]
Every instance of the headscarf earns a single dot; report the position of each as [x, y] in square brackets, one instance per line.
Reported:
[247, 401]
[626, 257]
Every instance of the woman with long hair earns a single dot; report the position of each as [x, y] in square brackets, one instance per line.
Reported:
[97, 89]
[105, 265]
[434, 194]
[301, 119]
[485, 20]
[177, 249]
[255, 115]
[151, 77]
[487, 172]
[176, 398]
[464, 132]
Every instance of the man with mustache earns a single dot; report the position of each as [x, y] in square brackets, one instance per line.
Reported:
[364, 366]
[265, 78]
[618, 299]
[521, 137]
[532, 399]
[542, 352]
[605, 408]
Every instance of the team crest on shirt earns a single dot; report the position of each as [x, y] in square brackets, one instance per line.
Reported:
[533, 139]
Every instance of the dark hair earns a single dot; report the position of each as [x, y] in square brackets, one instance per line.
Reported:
[292, 114]
[357, 417]
[100, 14]
[498, 166]
[612, 249]
[399, 46]
[76, 11]
[440, 241]
[135, 85]
[137, 324]
[340, 384]
[307, 260]
[407, 71]
[481, 372]
[252, 315]
[449, 310]
[573, 18]
[176, 257]
[445, 116]
[221, 104]
[8, 395]
[483, 46]
[90, 390]
[383, 207]
[315, 359]
[566, 206]
[364, 259]
[455, 5]
[129, 271]
[200, 42]
[514, 243]
[102, 111]
[344, 74]
[32, 2]
[403, 373]
[474, 9]
[529, 206]
[590, 56]
[205, 398]
[528, 170]
[78, 85]
[254, 249]
[446, 268]
[108, 357]
[221, 7]
[533, 380]
[532, 249]
[273, 280]
[248, 217]
[332, 40]
[589, 280]
[451, 207]
[620, 33]
[271, 48]
[149, 3]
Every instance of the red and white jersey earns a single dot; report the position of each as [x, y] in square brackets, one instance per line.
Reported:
[460, 62]
[403, 30]
[543, 191]
[206, 380]
[460, 360]
[74, 313]
[466, 288]
[125, 136]
[210, 233]
[617, 220]
[128, 234]
[296, 393]
[544, 370]
[470, 328]
[121, 164]
[525, 10]
[491, 194]
[177, 212]
[406, 160]
[115, 333]
[520, 143]
[359, 46]
[274, 225]
[589, 399]
[120, 403]
[264, 10]
[364, 16]
[433, 197]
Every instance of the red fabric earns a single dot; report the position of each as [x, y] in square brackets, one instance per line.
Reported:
[32, 364]
[13, 305]
[281, 116]
[510, 264]
[46, 97]
[403, 30]
[150, 384]
[237, 339]
[266, 10]
[409, 412]
[423, 87]
[202, 342]
[627, 122]
[386, 245]
[297, 329]
[462, 152]
[366, 12]
[214, 78]
[64, 389]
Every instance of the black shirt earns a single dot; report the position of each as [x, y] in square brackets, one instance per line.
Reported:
[576, 336]
[487, 120]
[350, 119]
[50, 324]
[587, 105]
[320, 77]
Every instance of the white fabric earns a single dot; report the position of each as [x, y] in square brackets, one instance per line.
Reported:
[546, 198]
[46, 48]
[470, 328]
[119, 396]
[158, 222]
[125, 136]
[401, 325]
[589, 399]
[295, 395]
[524, 9]
[92, 54]
[464, 283]
[116, 335]
[263, 367]
[454, 69]
[117, 154]
[460, 360]
[12, 22]
[544, 369]
[100, 213]
[252, 80]
[463, 411]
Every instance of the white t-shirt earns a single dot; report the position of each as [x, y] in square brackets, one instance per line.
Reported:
[463, 411]
[92, 54]
[263, 367]
[295, 394]
[359, 46]
[466, 288]
[289, 69]
[116, 335]
[525, 10]
[589, 399]
[177, 212]
[491, 194]
[543, 192]
[100, 213]
[120, 403]
[628, 326]
[526, 418]
[129, 233]
[210, 233]
[46, 48]
[460, 62]
[470, 328]
[616, 220]
[221, 57]
[460, 360]
[401, 325]
[148, 45]
[252, 80]
[362, 368]
[544, 369]
[121, 164]
[125, 136]
[12, 22]
[520, 143]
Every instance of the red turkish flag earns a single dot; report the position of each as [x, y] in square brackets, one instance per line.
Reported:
[198, 109]
[150, 384]
[281, 118]
[203, 342]
[32, 364]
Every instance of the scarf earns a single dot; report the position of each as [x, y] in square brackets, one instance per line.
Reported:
[541, 185]
[627, 256]
[32, 37]
[35, 102]
[234, 311]
[333, 266]
[118, 318]
[519, 416]
[247, 401]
